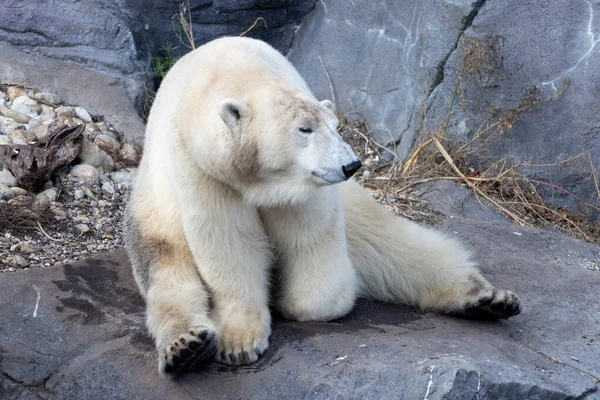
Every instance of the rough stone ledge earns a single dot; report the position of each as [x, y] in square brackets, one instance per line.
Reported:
[76, 331]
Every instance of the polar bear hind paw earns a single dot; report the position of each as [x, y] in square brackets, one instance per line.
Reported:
[191, 350]
[491, 305]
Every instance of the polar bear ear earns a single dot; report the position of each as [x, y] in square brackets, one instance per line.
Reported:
[328, 104]
[232, 111]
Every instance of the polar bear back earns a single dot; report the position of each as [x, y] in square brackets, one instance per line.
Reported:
[231, 65]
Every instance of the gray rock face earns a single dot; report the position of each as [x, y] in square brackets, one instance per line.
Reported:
[397, 63]
[565, 54]
[382, 58]
[76, 331]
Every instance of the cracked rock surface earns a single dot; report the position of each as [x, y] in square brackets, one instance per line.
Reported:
[76, 332]
[396, 61]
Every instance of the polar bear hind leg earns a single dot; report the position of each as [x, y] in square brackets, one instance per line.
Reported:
[399, 261]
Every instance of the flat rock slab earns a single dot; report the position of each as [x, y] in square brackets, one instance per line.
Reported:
[76, 332]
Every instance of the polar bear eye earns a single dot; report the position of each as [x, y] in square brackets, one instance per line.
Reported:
[306, 131]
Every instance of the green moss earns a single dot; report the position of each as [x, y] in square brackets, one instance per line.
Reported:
[161, 64]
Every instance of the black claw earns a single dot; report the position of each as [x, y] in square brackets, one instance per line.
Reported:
[258, 352]
[223, 355]
[244, 357]
[232, 357]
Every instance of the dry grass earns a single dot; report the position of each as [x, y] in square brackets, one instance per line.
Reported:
[495, 183]
[384, 179]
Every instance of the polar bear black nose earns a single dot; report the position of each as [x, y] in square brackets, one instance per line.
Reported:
[351, 168]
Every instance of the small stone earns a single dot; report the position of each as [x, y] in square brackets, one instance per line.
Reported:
[27, 248]
[29, 136]
[27, 106]
[41, 132]
[7, 178]
[33, 123]
[20, 261]
[15, 92]
[48, 111]
[79, 194]
[86, 173]
[5, 192]
[65, 112]
[17, 116]
[19, 191]
[124, 177]
[4, 140]
[108, 189]
[11, 127]
[59, 213]
[17, 134]
[130, 154]
[83, 114]
[45, 198]
[92, 154]
[82, 228]
[48, 97]
[108, 144]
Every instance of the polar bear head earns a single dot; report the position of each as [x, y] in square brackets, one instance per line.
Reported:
[282, 144]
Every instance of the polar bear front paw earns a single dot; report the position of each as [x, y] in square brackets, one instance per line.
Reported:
[189, 351]
[244, 337]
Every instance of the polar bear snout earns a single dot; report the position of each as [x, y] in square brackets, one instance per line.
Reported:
[332, 176]
[351, 168]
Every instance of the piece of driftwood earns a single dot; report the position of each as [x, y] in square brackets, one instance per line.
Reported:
[34, 164]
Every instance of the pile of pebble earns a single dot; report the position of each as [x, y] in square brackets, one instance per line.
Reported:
[85, 202]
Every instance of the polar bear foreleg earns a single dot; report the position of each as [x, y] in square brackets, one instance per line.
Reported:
[177, 311]
[233, 255]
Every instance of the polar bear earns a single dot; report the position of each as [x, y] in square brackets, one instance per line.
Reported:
[244, 200]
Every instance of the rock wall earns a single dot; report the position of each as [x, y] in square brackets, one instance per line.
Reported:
[397, 63]
[394, 62]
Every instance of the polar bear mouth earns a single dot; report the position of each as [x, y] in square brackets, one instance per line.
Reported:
[330, 177]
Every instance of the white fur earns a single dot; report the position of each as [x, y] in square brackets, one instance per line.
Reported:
[229, 182]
